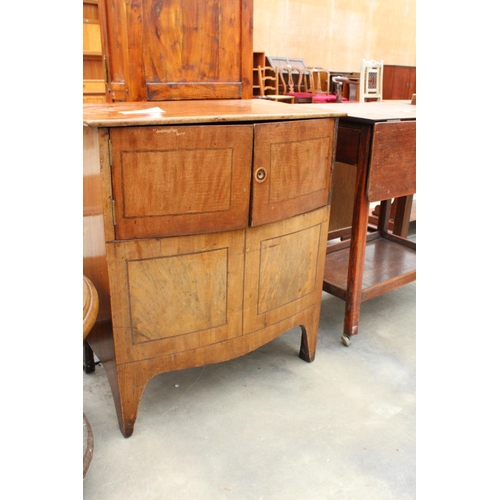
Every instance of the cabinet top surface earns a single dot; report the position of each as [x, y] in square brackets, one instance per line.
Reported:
[376, 111]
[209, 111]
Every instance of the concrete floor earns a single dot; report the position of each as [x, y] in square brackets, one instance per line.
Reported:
[269, 426]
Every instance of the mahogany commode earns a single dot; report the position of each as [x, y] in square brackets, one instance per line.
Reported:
[205, 227]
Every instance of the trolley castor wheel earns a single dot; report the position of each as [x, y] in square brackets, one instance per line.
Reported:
[346, 340]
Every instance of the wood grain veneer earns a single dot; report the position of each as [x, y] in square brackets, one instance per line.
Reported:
[198, 258]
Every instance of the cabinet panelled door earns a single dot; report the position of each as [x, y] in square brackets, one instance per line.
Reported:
[158, 50]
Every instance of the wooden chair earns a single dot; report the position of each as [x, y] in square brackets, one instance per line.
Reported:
[268, 80]
[269, 85]
[320, 87]
[294, 84]
[370, 80]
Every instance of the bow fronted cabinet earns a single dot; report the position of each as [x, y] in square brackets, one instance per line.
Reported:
[206, 224]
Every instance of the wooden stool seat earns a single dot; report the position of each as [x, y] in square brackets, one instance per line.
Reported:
[90, 306]
[90, 310]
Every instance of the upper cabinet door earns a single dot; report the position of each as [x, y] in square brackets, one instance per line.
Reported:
[292, 168]
[180, 180]
[159, 50]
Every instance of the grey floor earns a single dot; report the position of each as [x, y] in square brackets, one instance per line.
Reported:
[269, 425]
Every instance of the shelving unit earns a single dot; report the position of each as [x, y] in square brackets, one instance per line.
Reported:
[259, 59]
[94, 87]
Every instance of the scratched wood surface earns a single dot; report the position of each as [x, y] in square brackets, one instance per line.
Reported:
[213, 111]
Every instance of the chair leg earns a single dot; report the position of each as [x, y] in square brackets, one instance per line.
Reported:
[88, 358]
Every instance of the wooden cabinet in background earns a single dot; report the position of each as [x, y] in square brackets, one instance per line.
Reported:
[400, 82]
[209, 239]
[259, 59]
[177, 50]
[94, 89]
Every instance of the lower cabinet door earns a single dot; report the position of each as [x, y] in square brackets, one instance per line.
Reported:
[171, 295]
[284, 266]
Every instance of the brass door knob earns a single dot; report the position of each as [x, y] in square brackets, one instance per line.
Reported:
[261, 175]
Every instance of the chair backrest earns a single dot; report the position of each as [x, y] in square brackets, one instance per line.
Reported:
[319, 81]
[370, 80]
[268, 80]
[290, 85]
[324, 87]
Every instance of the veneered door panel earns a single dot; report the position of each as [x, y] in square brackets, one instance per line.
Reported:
[180, 180]
[292, 168]
[284, 267]
[170, 295]
[177, 49]
[404, 82]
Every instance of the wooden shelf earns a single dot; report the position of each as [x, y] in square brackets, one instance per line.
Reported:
[94, 89]
[388, 264]
[259, 59]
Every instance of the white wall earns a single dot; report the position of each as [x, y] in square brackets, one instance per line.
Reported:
[337, 34]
